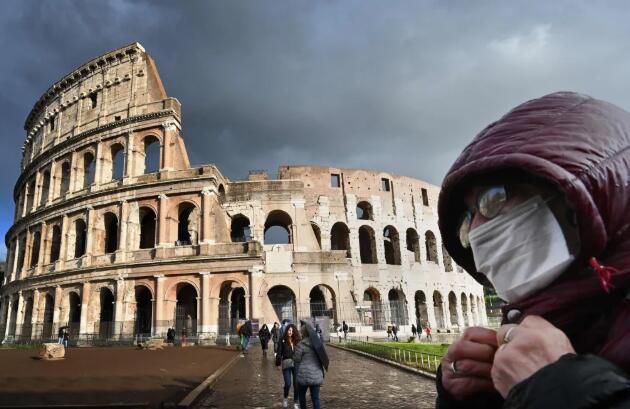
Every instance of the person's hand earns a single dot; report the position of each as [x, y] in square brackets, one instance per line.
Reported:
[525, 349]
[471, 358]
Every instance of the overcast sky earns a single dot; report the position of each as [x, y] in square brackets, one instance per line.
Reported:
[396, 86]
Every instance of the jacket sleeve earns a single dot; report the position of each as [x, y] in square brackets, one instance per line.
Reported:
[446, 401]
[279, 354]
[299, 352]
[573, 382]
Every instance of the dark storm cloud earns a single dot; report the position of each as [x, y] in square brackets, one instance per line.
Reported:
[397, 86]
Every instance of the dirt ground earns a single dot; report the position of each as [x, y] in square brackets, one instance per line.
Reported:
[112, 375]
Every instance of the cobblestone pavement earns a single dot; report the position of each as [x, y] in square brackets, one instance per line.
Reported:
[352, 382]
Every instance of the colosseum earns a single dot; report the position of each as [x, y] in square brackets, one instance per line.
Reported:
[116, 235]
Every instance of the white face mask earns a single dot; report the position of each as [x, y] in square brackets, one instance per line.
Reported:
[522, 251]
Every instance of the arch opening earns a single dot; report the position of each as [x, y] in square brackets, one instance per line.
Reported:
[147, 227]
[340, 238]
[367, 245]
[391, 243]
[239, 229]
[278, 228]
[283, 302]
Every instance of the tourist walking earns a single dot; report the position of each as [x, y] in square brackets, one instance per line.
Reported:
[264, 335]
[66, 337]
[428, 332]
[284, 359]
[60, 335]
[344, 328]
[275, 337]
[414, 331]
[310, 371]
[389, 331]
[245, 331]
[394, 333]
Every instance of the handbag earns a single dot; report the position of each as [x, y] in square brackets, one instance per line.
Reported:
[287, 363]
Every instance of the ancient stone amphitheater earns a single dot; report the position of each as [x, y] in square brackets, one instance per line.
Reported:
[117, 236]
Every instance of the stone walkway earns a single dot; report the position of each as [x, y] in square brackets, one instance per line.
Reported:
[352, 382]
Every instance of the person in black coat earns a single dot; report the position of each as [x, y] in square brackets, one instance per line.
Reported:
[284, 359]
[264, 335]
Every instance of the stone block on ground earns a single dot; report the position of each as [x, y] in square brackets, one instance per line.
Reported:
[152, 344]
[52, 351]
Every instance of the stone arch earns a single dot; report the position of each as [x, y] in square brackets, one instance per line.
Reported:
[143, 314]
[117, 157]
[431, 246]
[278, 226]
[187, 224]
[452, 308]
[340, 238]
[78, 240]
[186, 307]
[422, 315]
[64, 178]
[376, 317]
[446, 259]
[13, 317]
[55, 243]
[88, 170]
[397, 307]
[367, 245]
[110, 229]
[151, 154]
[45, 188]
[283, 301]
[413, 244]
[35, 244]
[473, 309]
[148, 227]
[106, 312]
[30, 193]
[465, 313]
[232, 305]
[364, 211]
[47, 313]
[27, 329]
[323, 302]
[71, 313]
[239, 229]
[438, 304]
[391, 241]
[318, 234]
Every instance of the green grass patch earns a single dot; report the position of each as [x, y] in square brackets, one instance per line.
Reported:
[422, 356]
[428, 348]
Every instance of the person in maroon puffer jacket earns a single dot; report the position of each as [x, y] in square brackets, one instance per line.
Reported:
[538, 206]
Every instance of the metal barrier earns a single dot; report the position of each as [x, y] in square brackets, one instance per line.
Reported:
[420, 360]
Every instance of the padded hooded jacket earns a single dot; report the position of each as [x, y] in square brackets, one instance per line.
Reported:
[580, 146]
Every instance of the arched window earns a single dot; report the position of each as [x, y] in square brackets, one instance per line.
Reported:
[21, 253]
[151, 154]
[45, 188]
[187, 224]
[392, 245]
[65, 178]
[55, 245]
[318, 234]
[88, 169]
[448, 263]
[240, 231]
[431, 246]
[413, 244]
[367, 245]
[111, 232]
[80, 234]
[35, 249]
[147, 228]
[340, 238]
[364, 211]
[278, 228]
[118, 161]
[30, 195]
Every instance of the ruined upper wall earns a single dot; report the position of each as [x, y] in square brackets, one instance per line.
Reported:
[112, 87]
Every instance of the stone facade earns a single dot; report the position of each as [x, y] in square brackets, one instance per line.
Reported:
[113, 241]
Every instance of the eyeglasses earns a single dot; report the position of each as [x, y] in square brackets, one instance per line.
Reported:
[489, 204]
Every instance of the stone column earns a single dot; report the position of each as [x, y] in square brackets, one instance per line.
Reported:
[38, 191]
[130, 156]
[471, 321]
[460, 315]
[169, 132]
[27, 254]
[89, 242]
[57, 309]
[119, 307]
[35, 332]
[85, 302]
[19, 318]
[9, 313]
[446, 313]
[163, 210]
[122, 242]
[205, 302]
[43, 246]
[16, 256]
[73, 172]
[160, 325]
[98, 165]
[63, 246]
[51, 183]
[205, 215]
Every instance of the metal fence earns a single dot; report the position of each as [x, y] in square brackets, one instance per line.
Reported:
[408, 357]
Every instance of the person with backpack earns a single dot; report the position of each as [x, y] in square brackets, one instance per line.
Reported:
[284, 359]
[414, 331]
[264, 335]
[310, 370]
[345, 328]
[245, 331]
[394, 333]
